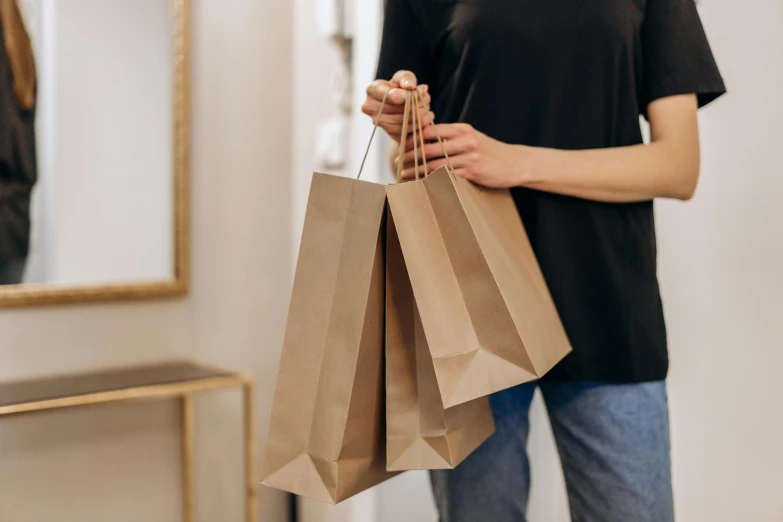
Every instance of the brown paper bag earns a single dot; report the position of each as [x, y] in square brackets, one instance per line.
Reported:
[326, 436]
[420, 433]
[488, 317]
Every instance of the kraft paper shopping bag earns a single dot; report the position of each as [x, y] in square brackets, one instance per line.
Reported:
[421, 433]
[327, 437]
[486, 311]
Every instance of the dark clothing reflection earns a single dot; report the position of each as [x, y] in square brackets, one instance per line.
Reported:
[18, 169]
[12, 272]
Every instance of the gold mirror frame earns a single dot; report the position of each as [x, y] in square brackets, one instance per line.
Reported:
[47, 294]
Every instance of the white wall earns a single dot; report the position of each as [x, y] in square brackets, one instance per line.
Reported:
[119, 463]
[114, 151]
[720, 270]
[721, 257]
[313, 61]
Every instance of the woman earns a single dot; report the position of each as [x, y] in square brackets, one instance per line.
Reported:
[17, 141]
[544, 98]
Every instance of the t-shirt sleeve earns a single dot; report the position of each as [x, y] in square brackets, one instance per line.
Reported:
[676, 55]
[404, 44]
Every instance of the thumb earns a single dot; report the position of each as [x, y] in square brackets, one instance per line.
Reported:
[405, 79]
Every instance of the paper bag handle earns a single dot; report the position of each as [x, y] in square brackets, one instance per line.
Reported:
[406, 119]
[417, 122]
[414, 110]
[403, 135]
[442, 147]
[414, 117]
[421, 135]
[416, 125]
[372, 135]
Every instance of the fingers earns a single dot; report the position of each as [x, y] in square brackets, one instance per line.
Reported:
[393, 125]
[395, 91]
[447, 131]
[459, 141]
[379, 88]
[410, 173]
[432, 151]
[391, 118]
[402, 80]
[393, 121]
[427, 117]
[372, 104]
[461, 144]
[405, 79]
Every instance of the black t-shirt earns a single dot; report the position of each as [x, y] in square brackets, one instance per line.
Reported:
[567, 74]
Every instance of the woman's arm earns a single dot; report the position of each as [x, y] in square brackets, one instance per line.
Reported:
[667, 167]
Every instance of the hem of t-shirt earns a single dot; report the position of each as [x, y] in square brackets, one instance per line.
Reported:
[705, 93]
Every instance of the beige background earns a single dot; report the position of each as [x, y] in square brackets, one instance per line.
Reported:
[120, 463]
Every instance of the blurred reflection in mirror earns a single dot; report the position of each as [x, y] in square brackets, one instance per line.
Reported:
[18, 169]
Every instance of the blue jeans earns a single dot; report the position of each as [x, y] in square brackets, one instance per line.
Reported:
[613, 442]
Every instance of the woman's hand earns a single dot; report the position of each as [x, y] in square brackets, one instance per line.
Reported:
[474, 156]
[397, 88]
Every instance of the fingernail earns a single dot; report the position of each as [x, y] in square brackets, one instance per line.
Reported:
[405, 82]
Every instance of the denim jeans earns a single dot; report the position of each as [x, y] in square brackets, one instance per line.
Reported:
[613, 441]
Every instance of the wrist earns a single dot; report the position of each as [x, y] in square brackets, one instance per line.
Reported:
[523, 165]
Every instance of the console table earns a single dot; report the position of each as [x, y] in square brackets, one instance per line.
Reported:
[170, 380]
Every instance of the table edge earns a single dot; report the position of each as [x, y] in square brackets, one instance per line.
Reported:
[154, 391]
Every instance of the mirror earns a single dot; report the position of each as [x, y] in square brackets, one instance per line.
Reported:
[93, 178]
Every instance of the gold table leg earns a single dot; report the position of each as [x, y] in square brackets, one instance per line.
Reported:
[249, 435]
[186, 412]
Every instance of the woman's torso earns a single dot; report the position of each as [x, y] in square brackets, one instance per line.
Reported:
[567, 74]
